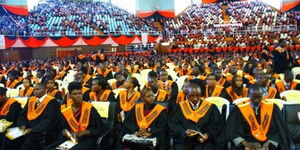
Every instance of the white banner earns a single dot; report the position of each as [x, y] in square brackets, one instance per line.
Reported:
[2, 42]
[144, 38]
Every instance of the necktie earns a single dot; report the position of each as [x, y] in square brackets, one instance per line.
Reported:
[287, 86]
[38, 102]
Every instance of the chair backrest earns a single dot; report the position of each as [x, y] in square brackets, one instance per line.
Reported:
[180, 81]
[2, 85]
[278, 102]
[241, 100]
[22, 100]
[144, 73]
[293, 121]
[107, 111]
[12, 93]
[296, 71]
[291, 96]
[111, 81]
[220, 102]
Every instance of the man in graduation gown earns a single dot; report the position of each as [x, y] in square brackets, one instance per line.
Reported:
[256, 124]
[287, 83]
[280, 57]
[212, 89]
[38, 120]
[9, 110]
[81, 119]
[268, 91]
[160, 94]
[196, 123]
[105, 72]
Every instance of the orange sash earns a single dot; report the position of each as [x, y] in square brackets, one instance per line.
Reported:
[194, 115]
[169, 85]
[221, 82]
[27, 94]
[281, 88]
[59, 76]
[105, 73]
[81, 56]
[33, 113]
[258, 131]
[103, 97]
[145, 121]
[6, 106]
[114, 86]
[180, 97]
[271, 93]
[86, 79]
[161, 96]
[11, 85]
[84, 117]
[125, 103]
[217, 91]
[233, 94]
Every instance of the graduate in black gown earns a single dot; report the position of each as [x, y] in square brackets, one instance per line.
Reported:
[192, 116]
[38, 120]
[9, 109]
[88, 124]
[153, 121]
[267, 129]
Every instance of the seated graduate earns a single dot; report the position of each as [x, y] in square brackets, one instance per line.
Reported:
[120, 77]
[13, 81]
[9, 111]
[52, 89]
[28, 89]
[237, 89]
[160, 94]
[147, 120]
[127, 98]
[101, 90]
[167, 85]
[196, 123]
[104, 72]
[212, 89]
[256, 124]
[81, 119]
[263, 81]
[38, 119]
[287, 83]
[182, 93]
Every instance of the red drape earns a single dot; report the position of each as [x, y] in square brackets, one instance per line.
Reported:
[65, 41]
[151, 38]
[167, 13]
[123, 40]
[94, 41]
[208, 1]
[144, 14]
[18, 10]
[33, 42]
[9, 43]
[289, 5]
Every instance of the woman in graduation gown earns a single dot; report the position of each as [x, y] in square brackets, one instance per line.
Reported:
[147, 119]
[196, 115]
[101, 90]
[127, 98]
[28, 89]
[52, 89]
[262, 128]
[236, 90]
[81, 119]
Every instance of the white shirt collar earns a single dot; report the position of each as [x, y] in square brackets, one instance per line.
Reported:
[42, 98]
[195, 106]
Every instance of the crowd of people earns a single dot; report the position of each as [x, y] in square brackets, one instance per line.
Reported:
[56, 18]
[186, 116]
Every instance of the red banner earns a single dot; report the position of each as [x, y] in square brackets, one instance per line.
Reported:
[18, 10]
[33, 42]
[65, 41]
[94, 41]
[10, 42]
[123, 40]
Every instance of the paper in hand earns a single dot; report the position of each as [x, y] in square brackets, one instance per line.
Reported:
[14, 133]
[66, 145]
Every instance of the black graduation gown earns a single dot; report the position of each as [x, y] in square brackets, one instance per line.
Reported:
[237, 126]
[11, 116]
[222, 94]
[211, 124]
[158, 127]
[43, 127]
[87, 142]
[280, 61]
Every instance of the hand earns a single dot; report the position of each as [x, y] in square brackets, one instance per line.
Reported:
[251, 146]
[190, 133]
[119, 119]
[203, 138]
[266, 146]
[27, 131]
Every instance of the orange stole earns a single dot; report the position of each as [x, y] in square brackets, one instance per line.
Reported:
[258, 131]
[271, 93]
[84, 116]
[103, 97]
[281, 88]
[105, 73]
[11, 85]
[180, 97]
[86, 79]
[124, 103]
[194, 115]
[169, 85]
[27, 94]
[6, 106]
[217, 91]
[161, 96]
[145, 121]
[233, 94]
[33, 113]
[221, 82]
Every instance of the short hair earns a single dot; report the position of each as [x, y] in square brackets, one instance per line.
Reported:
[152, 74]
[74, 86]
[102, 82]
[40, 85]
[194, 85]
[144, 91]
[2, 91]
[83, 70]
[254, 87]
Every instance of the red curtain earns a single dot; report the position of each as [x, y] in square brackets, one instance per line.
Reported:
[151, 38]
[289, 5]
[167, 13]
[94, 41]
[18, 10]
[208, 1]
[9, 43]
[33, 42]
[65, 41]
[144, 14]
[123, 40]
